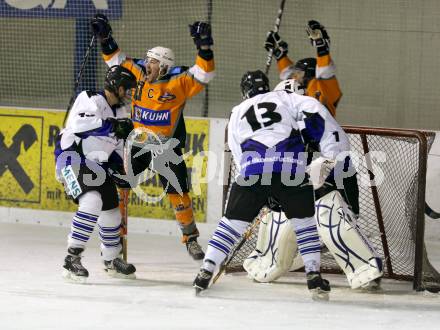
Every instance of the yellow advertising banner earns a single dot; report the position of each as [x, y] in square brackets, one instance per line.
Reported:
[27, 170]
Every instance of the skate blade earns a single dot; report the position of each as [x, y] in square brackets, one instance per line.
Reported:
[115, 274]
[320, 295]
[72, 278]
[198, 291]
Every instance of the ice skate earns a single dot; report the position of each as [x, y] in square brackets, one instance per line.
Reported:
[194, 249]
[201, 282]
[118, 268]
[372, 286]
[318, 287]
[74, 271]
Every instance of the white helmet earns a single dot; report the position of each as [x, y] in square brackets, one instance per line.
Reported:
[165, 56]
[290, 85]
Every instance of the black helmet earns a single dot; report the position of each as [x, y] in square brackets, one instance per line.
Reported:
[118, 76]
[253, 83]
[308, 65]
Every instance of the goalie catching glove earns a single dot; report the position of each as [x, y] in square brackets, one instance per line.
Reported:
[276, 44]
[319, 169]
[318, 37]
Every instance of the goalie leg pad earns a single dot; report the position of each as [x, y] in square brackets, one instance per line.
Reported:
[275, 250]
[350, 248]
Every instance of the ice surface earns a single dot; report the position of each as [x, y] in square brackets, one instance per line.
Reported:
[33, 294]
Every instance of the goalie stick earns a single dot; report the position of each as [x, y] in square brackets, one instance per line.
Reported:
[275, 29]
[78, 78]
[431, 213]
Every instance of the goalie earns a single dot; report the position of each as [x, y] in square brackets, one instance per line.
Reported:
[275, 253]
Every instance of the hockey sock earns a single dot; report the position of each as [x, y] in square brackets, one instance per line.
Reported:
[308, 243]
[182, 208]
[84, 219]
[109, 224]
[227, 233]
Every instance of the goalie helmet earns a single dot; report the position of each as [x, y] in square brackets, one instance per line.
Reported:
[308, 66]
[291, 86]
[165, 56]
[254, 83]
[118, 76]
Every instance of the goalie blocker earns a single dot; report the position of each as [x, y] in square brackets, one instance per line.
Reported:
[276, 251]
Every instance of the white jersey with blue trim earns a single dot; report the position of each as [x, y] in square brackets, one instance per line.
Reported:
[86, 122]
[272, 128]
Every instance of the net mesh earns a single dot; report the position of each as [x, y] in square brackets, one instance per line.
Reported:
[43, 44]
[398, 189]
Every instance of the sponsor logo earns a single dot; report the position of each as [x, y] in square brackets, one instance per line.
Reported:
[58, 4]
[72, 185]
[152, 117]
[167, 97]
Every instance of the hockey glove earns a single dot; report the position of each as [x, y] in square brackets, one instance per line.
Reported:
[318, 37]
[278, 46]
[319, 169]
[201, 34]
[115, 171]
[122, 127]
[101, 27]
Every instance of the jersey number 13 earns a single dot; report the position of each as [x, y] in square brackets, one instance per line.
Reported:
[268, 115]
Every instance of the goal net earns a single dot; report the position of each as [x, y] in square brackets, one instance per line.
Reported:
[391, 212]
[43, 43]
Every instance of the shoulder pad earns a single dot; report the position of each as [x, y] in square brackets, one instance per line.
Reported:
[91, 93]
[177, 70]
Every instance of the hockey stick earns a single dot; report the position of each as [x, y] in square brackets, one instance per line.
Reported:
[275, 29]
[78, 78]
[123, 208]
[246, 235]
[431, 213]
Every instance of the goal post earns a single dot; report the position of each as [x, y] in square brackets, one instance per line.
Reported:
[391, 211]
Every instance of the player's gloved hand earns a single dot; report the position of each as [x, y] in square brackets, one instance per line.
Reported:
[318, 37]
[201, 34]
[101, 27]
[278, 46]
[122, 127]
[116, 172]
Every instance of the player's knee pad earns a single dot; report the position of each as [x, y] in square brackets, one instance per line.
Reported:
[109, 223]
[350, 248]
[90, 202]
[182, 208]
[275, 250]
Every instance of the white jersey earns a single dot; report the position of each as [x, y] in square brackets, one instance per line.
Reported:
[86, 126]
[271, 129]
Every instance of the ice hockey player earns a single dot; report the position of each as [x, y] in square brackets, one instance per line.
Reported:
[265, 138]
[274, 254]
[88, 154]
[316, 76]
[162, 90]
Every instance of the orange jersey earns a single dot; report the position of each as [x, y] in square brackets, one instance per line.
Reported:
[324, 87]
[161, 104]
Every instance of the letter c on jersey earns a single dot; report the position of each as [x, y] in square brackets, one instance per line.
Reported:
[150, 93]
